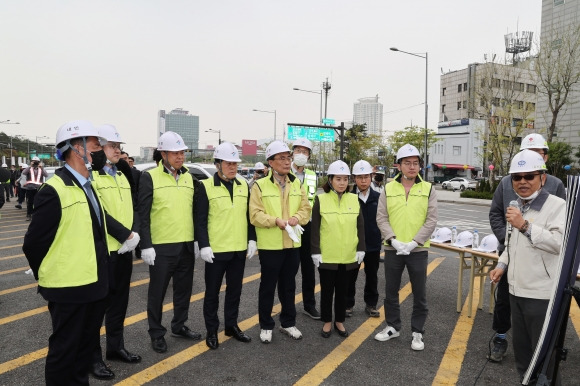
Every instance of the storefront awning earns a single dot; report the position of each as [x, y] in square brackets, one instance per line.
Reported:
[452, 166]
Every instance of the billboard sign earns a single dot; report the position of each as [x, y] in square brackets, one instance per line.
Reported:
[314, 134]
[249, 147]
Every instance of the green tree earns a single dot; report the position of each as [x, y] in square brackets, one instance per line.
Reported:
[358, 145]
[560, 155]
[413, 135]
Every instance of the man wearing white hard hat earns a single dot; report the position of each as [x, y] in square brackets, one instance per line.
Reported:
[504, 194]
[225, 237]
[165, 207]
[260, 170]
[338, 245]
[35, 175]
[406, 216]
[114, 186]
[66, 248]
[533, 241]
[21, 193]
[301, 152]
[278, 208]
[368, 200]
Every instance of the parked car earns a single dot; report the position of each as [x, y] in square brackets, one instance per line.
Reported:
[459, 183]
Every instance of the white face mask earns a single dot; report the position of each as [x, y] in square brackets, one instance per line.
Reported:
[300, 159]
[530, 197]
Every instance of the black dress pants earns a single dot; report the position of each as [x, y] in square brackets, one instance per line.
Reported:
[371, 292]
[308, 270]
[333, 283]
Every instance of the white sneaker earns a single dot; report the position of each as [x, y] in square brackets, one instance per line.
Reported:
[417, 343]
[292, 332]
[266, 336]
[388, 333]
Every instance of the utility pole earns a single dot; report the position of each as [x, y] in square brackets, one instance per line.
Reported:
[326, 86]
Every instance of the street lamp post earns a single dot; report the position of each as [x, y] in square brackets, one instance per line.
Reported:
[219, 132]
[426, 57]
[313, 92]
[271, 112]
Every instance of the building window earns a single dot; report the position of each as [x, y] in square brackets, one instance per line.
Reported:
[507, 84]
[458, 105]
[495, 82]
[459, 87]
[442, 108]
[464, 104]
[464, 86]
[518, 86]
[495, 102]
[531, 88]
[456, 150]
[530, 106]
[519, 104]
[444, 90]
[482, 102]
[559, 2]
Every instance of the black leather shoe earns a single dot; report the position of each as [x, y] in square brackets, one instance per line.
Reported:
[159, 345]
[325, 334]
[313, 313]
[101, 371]
[212, 340]
[123, 356]
[238, 334]
[342, 333]
[185, 332]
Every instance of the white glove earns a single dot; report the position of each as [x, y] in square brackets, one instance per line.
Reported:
[207, 254]
[130, 245]
[252, 248]
[148, 256]
[399, 246]
[292, 234]
[196, 250]
[317, 259]
[298, 229]
[410, 246]
[29, 272]
[360, 256]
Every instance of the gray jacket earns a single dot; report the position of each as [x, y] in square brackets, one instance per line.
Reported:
[501, 200]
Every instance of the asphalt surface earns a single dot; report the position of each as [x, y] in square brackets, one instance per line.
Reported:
[455, 346]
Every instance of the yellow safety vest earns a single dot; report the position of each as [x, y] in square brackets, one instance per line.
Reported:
[311, 185]
[338, 227]
[172, 210]
[71, 260]
[407, 215]
[227, 223]
[115, 195]
[272, 238]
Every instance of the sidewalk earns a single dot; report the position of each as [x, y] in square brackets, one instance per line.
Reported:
[453, 197]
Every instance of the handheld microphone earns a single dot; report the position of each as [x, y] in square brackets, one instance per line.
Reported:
[513, 204]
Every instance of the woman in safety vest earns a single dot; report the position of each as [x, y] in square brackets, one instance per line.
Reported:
[338, 244]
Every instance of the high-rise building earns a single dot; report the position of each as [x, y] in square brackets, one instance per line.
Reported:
[369, 111]
[181, 122]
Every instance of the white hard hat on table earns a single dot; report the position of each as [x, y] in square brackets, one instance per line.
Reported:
[110, 133]
[464, 239]
[442, 235]
[488, 244]
[361, 167]
[338, 168]
[527, 161]
[171, 141]
[227, 152]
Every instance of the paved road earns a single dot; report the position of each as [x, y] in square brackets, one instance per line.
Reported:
[455, 346]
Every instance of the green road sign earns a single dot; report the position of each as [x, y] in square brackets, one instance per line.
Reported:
[314, 134]
[328, 121]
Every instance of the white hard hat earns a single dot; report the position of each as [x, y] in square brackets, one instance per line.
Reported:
[407, 150]
[442, 235]
[35, 158]
[110, 133]
[302, 142]
[23, 165]
[227, 152]
[259, 165]
[527, 161]
[338, 168]
[276, 147]
[4, 165]
[76, 129]
[464, 239]
[171, 141]
[488, 244]
[534, 141]
[362, 167]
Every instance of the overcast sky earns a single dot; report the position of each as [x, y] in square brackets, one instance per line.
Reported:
[119, 62]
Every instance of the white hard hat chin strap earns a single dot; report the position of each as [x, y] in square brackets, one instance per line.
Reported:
[221, 172]
[166, 162]
[84, 156]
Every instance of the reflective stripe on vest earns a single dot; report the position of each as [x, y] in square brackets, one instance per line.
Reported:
[34, 179]
[227, 223]
[71, 260]
[338, 227]
[171, 213]
[115, 195]
[311, 186]
[272, 238]
[407, 215]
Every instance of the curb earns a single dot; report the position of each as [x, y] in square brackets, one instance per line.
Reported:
[464, 201]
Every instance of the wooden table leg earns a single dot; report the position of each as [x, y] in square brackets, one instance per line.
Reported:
[460, 282]
[471, 280]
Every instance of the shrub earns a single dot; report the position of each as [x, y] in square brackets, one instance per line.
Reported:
[476, 194]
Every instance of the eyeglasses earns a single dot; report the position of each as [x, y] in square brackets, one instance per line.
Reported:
[114, 145]
[409, 164]
[527, 177]
[298, 150]
[284, 159]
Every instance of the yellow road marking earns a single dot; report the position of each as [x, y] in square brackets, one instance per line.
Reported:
[326, 366]
[575, 316]
[11, 257]
[12, 238]
[16, 289]
[450, 366]
[12, 246]
[39, 354]
[15, 270]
